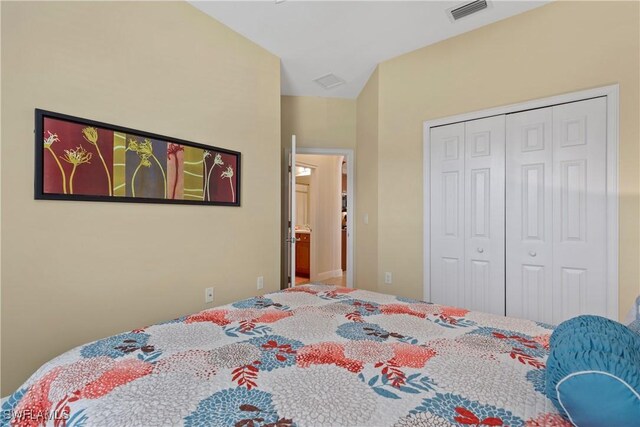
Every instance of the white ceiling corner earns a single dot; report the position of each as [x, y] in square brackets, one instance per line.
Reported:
[347, 38]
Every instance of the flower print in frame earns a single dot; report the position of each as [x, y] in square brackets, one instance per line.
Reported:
[80, 159]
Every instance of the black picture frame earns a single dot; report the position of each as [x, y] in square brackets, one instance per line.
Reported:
[41, 194]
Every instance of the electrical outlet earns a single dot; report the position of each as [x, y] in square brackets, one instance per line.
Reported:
[387, 278]
[208, 295]
[260, 282]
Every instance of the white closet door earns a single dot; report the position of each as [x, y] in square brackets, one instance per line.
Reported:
[579, 209]
[529, 221]
[556, 212]
[447, 214]
[484, 215]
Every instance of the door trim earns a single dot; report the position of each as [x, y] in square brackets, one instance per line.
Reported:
[349, 157]
[612, 93]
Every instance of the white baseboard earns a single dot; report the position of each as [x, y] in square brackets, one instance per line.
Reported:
[328, 275]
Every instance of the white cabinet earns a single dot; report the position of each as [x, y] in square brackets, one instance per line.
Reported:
[519, 212]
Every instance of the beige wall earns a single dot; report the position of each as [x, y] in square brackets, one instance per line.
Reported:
[319, 122]
[366, 244]
[558, 48]
[77, 271]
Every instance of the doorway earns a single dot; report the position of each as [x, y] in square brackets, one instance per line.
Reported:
[324, 206]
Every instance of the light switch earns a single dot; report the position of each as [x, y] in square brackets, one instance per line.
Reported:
[388, 278]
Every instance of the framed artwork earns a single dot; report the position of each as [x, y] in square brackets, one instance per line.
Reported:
[80, 159]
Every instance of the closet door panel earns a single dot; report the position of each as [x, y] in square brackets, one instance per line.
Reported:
[529, 243]
[484, 214]
[579, 209]
[447, 214]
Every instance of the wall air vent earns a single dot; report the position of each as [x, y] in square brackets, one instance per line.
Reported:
[467, 9]
[329, 81]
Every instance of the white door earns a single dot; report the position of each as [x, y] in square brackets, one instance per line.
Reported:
[447, 214]
[529, 224]
[556, 212]
[291, 215]
[579, 209]
[484, 215]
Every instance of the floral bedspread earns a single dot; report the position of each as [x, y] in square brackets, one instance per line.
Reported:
[312, 355]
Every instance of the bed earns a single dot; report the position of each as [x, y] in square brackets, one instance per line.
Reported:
[313, 355]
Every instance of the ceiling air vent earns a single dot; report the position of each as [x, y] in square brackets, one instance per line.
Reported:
[468, 9]
[329, 81]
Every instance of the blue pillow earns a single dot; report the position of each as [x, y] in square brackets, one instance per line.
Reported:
[633, 318]
[588, 323]
[593, 372]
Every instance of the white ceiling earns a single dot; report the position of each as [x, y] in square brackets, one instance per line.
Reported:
[347, 38]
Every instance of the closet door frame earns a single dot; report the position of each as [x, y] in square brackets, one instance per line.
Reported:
[611, 93]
